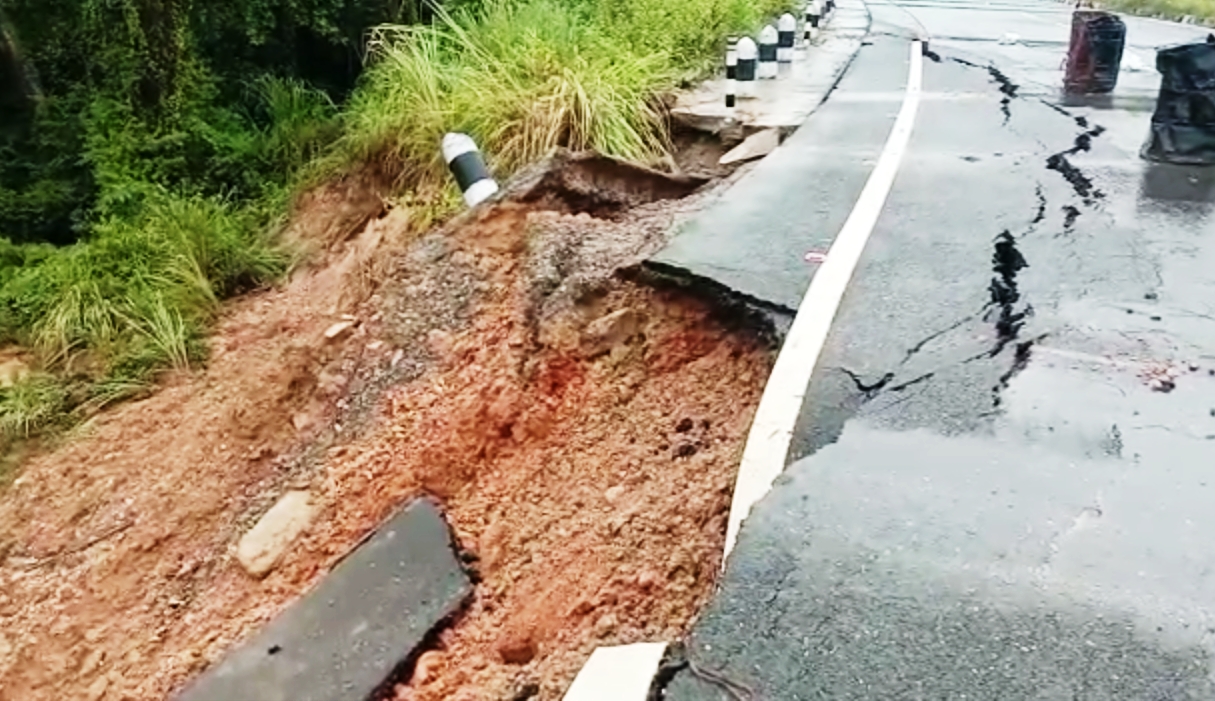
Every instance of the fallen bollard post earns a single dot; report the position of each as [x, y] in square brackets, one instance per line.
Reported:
[1095, 52]
[468, 167]
[1183, 125]
[785, 38]
[768, 39]
[748, 68]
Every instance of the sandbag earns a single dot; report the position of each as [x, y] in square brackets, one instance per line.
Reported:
[1183, 125]
[1095, 53]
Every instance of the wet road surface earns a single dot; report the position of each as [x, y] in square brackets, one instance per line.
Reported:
[1002, 481]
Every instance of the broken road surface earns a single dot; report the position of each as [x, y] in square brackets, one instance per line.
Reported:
[999, 484]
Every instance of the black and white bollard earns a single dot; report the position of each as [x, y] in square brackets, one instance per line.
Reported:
[468, 168]
[768, 39]
[814, 17]
[748, 67]
[828, 7]
[731, 71]
[786, 37]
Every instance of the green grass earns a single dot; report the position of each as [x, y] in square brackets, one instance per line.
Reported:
[106, 314]
[1172, 9]
[183, 215]
[524, 76]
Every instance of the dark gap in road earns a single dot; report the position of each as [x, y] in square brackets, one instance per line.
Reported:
[1041, 213]
[932, 337]
[1080, 120]
[869, 390]
[1081, 183]
[1020, 361]
[912, 382]
[1060, 163]
[1070, 214]
[1007, 262]
[1007, 87]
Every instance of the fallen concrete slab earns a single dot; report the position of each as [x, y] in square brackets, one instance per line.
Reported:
[348, 637]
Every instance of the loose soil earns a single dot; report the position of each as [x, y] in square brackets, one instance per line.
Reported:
[581, 430]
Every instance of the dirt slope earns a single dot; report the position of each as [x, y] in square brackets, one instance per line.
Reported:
[581, 430]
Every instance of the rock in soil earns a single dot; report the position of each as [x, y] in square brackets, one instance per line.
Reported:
[608, 331]
[265, 544]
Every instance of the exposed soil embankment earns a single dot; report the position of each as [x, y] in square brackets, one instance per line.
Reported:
[581, 430]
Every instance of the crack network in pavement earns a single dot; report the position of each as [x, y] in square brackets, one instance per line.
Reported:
[1007, 87]
[869, 390]
[1007, 262]
[1041, 213]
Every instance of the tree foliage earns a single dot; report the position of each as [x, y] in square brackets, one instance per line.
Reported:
[101, 97]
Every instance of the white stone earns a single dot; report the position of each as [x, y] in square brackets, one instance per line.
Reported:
[755, 146]
[261, 549]
[623, 673]
[338, 329]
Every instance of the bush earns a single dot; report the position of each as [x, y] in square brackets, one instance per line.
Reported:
[524, 76]
[1203, 9]
[139, 291]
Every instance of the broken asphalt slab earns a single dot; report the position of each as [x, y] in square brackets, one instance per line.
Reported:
[753, 238]
[351, 635]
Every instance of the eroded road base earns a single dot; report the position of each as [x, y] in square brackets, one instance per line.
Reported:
[580, 430]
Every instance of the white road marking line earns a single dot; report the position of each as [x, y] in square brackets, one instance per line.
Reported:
[772, 430]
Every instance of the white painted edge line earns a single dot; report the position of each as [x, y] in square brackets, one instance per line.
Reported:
[621, 673]
[771, 431]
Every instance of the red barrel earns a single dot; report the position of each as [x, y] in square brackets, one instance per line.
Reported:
[1095, 53]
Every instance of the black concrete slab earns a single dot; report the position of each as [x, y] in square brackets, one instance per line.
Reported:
[343, 640]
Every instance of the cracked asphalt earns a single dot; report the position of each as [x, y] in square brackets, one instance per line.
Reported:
[1002, 477]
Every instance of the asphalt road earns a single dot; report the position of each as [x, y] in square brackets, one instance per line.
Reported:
[1002, 480]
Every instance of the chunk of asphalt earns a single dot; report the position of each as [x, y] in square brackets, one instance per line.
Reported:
[349, 637]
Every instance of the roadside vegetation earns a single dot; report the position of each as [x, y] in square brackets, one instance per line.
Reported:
[1170, 9]
[149, 149]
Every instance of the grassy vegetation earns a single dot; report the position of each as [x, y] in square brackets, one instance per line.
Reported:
[1173, 9]
[523, 76]
[184, 205]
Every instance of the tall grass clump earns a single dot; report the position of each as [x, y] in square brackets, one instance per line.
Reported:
[134, 297]
[1173, 9]
[524, 76]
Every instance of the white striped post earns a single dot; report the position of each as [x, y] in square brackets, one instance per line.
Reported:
[814, 16]
[731, 71]
[468, 168]
[828, 8]
[768, 39]
[748, 67]
[786, 37]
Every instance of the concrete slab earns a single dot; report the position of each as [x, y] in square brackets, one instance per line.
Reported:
[787, 101]
[757, 145]
[346, 638]
[621, 673]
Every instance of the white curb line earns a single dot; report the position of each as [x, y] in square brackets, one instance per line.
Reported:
[772, 430]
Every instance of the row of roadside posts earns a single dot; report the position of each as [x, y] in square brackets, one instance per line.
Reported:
[748, 61]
